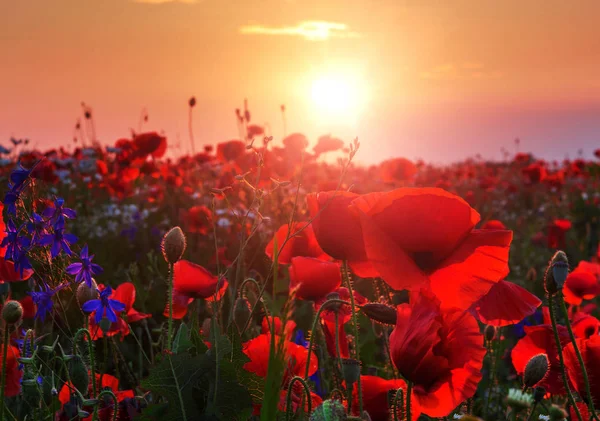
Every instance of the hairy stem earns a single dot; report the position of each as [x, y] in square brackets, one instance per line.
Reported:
[346, 274]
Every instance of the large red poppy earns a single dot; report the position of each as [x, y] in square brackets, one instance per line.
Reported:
[328, 143]
[580, 285]
[150, 143]
[375, 397]
[540, 340]
[557, 231]
[397, 169]
[493, 224]
[303, 244]
[585, 325]
[338, 231]
[275, 321]
[505, 304]
[590, 351]
[313, 279]
[231, 150]
[198, 219]
[439, 350]
[418, 237]
[259, 348]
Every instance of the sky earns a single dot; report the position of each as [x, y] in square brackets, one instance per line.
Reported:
[433, 79]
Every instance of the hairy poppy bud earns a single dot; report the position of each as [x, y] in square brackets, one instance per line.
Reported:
[538, 394]
[85, 293]
[173, 245]
[241, 313]
[12, 312]
[557, 413]
[350, 370]
[329, 410]
[78, 372]
[535, 370]
[192, 101]
[489, 333]
[560, 268]
[335, 307]
[380, 313]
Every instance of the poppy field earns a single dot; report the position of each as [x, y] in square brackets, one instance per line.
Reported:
[266, 279]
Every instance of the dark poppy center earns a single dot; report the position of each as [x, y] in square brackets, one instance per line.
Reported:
[425, 260]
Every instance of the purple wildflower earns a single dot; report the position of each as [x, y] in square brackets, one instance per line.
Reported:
[104, 306]
[85, 269]
[58, 241]
[58, 213]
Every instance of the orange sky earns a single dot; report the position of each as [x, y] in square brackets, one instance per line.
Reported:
[437, 79]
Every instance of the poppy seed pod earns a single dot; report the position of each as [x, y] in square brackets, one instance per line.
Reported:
[12, 312]
[535, 370]
[489, 333]
[85, 293]
[173, 245]
[351, 370]
[329, 410]
[380, 313]
[333, 306]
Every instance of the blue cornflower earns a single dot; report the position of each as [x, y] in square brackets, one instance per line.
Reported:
[43, 299]
[85, 269]
[58, 213]
[21, 262]
[58, 241]
[37, 226]
[104, 305]
[12, 241]
[19, 176]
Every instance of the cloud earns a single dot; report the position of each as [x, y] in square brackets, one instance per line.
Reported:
[310, 30]
[165, 1]
[464, 70]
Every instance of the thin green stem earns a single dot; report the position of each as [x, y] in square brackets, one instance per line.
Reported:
[586, 380]
[408, 393]
[170, 326]
[337, 343]
[3, 382]
[398, 404]
[90, 343]
[115, 411]
[346, 274]
[289, 413]
[314, 327]
[561, 358]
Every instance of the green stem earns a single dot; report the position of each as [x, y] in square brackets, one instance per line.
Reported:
[337, 344]
[408, 393]
[530, 417]
[355, 324]
[561, 359]
[289, 414]
[170, 326]
[586, 380]
[398, 404]
[313, 331]
[115, 412]
[86, 332]
[3, 382]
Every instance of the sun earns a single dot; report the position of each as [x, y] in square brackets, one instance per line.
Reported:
[337, 96]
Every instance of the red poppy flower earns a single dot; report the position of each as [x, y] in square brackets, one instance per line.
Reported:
[557, 231]
[375, 397]
[344, 311]
[585, 325]
[328, 143]
[397, 169]
[180, 306]
[419, 237]
[258, 350]
[194, 281]
[590, 351]
[592, 267]
[8, 273]
[290, 326]
[338, 231]
[231, 150]
[329, 332]
[198, 219]
[13, 373]
[493, 224]
[540, 340]
[580, 285]
[505, 304]
[439, 350]
[312, 278]
[295, 142]
[535, 173]
[29, 308]
[150, 143]
[303, 244]
[255, 130]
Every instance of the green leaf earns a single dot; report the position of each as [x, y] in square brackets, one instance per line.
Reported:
[182, 341]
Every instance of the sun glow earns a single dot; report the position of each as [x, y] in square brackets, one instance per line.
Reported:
[338, 96]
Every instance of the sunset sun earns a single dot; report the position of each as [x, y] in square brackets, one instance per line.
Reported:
[337, 95]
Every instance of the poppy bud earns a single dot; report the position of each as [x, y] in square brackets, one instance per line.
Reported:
[535, 370]
[560, 268]
[241, 313]
[334, 307]
[380, 313]
[538, 394]
[85, 293]
[489, 333]
[557, 413]
[329, 410]
[192, 101]
[12, 312]
[78, 372]
[173, 245]
[350, 370]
